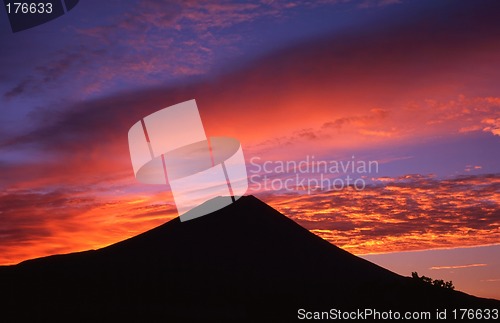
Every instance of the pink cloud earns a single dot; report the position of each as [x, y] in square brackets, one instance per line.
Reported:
[457, 266]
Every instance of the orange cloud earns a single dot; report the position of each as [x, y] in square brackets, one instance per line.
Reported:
[41, 223]
[406, 213]
[492, 125]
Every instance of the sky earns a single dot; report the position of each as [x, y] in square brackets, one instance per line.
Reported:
[310, 88]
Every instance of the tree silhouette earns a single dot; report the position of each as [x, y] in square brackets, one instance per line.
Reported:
[436, 282]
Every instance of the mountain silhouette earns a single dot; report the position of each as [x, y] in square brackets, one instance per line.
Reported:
[244, 263]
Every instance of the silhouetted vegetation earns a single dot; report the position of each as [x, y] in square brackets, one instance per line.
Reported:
[434, 282]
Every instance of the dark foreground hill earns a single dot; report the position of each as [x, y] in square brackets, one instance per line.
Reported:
[246, 262]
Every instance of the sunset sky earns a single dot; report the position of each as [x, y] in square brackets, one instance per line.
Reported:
[412, 85]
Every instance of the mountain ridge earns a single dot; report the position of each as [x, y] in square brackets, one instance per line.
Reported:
[245, 262]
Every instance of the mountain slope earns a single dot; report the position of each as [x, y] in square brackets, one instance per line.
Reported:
[246, 262]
